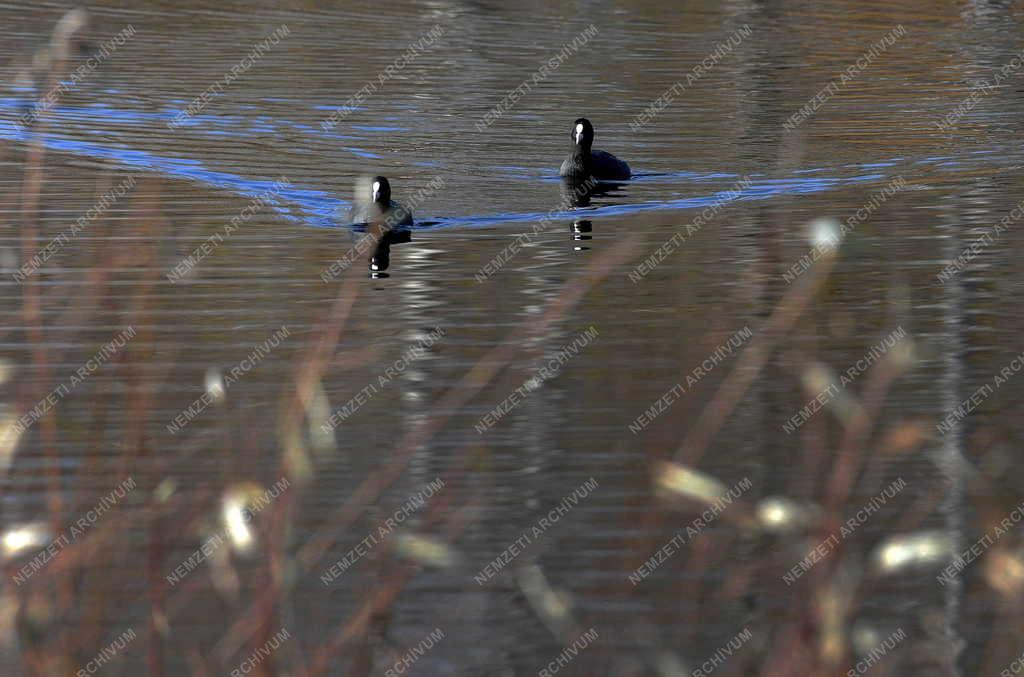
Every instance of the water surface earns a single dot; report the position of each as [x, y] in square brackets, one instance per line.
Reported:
[420, 128]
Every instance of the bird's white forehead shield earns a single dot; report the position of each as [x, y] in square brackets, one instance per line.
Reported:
[376, 190]
[579, 132]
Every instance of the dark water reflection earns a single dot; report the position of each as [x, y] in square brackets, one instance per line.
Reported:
[500, 187]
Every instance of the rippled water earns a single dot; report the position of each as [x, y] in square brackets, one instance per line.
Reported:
[421, 128]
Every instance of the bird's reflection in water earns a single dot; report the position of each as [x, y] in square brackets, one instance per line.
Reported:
[578, 194]
[579, 231]
[384, 237]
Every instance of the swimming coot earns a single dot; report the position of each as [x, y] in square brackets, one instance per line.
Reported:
[584, 162]
[380, 208]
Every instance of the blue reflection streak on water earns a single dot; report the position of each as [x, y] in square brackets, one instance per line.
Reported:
[756, 191]
[318, 208]
[311, 206]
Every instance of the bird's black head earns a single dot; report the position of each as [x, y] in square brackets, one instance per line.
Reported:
[582, 133]
[380, 191]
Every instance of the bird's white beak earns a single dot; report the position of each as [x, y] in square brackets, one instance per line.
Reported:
[579, 133]
[376, 190]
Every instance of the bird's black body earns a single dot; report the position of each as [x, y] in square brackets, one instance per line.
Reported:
[583, 162]
[380, 208]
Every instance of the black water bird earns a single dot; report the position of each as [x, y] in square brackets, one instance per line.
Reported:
[584, 162]
[380, 208]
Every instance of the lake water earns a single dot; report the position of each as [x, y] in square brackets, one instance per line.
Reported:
[454, 468]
